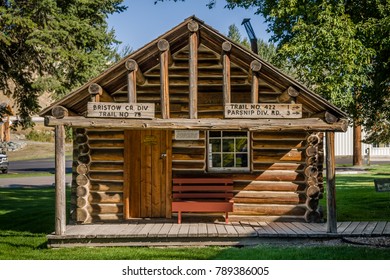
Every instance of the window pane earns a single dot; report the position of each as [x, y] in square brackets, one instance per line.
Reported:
[241, 145]
[215, 133]
[215, 145]
[216, 160]
[228, 160]
[241, 160]
[228, 145]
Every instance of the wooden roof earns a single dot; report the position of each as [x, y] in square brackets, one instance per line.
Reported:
[272, 83]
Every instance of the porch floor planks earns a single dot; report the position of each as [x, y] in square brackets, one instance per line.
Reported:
[312, 231]
[231, 230]
[300, 231]
[269, 229]
[350, 228]
[107, 231]
[358, 231]
[144, 231]
[202, 230]
[222, 231]
[155, 230]
[279, 230]
[147, 232]
[380, 226]
[369, 229]
[244, 229]
[260, 228]
[193, 230]
[386, 230]
[174, 230]
[81, 230]
[183, 230]
[131, 229]
[341, 227]
[211, 230]
[164, 231]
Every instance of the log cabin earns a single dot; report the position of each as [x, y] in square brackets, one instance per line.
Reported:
[194, 104]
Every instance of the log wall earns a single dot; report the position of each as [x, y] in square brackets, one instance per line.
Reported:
[285, 181]
[97, 185]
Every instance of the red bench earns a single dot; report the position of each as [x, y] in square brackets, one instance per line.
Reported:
[202, 195]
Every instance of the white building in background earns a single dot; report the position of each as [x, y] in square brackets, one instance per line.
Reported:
[344, 146]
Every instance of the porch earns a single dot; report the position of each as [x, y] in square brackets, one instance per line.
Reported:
[166, 232]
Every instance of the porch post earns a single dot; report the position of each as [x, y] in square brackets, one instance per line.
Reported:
[193, 70]
[226, 48]
[165, 58]
[330, 184]
[60, 213]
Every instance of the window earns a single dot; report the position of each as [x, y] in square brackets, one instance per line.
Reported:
[228, 150]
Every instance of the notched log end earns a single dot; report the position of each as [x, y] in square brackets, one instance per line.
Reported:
[163, 45]
[95, 89]
[59, 112]
[255, 66]
[226, 46]
[131, 65]
[193, 26]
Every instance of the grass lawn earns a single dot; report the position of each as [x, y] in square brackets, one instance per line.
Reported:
[27, 215]
[356, 198]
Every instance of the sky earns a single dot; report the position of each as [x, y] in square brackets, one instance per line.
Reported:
[143, 21]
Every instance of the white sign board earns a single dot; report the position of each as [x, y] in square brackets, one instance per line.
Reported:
[263, 111]
[187, 134]
[121, 110]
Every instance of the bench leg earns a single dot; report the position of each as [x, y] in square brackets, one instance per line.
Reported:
[227, 217]
[179, 217]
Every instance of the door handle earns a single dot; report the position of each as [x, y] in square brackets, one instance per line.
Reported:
[162, 156]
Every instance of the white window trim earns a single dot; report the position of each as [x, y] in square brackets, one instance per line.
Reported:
[211, 169]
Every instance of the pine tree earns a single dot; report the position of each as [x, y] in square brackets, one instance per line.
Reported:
[52, 45]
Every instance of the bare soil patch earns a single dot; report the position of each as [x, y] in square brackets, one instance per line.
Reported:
[35, 150]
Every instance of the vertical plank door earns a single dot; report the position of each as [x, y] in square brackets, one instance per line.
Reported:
[147, 187]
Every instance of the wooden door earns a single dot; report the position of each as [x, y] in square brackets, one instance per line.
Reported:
[147, 186]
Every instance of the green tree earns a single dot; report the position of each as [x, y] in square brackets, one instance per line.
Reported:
[52, 45]
[341, 49]
[235, 35]
[266, 51]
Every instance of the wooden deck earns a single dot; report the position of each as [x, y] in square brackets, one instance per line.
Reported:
[160, 233]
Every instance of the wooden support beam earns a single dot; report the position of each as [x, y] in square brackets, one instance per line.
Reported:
[60, 191]
[98, 94]
[331, 183]
[226, 48]
[59, 112]
[193, 71]
[326, 116]
[275, 125]
[254, 77]
[163, 46]
[287, 95]
[132, 66]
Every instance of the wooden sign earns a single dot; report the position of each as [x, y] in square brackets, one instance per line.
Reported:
[121, 110]
[263, 111]
[150, 140]
[187, 134]
[382, 185]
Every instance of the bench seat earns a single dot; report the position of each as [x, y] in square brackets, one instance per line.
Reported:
[202, 195]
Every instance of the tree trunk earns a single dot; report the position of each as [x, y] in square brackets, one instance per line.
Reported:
[357, 145]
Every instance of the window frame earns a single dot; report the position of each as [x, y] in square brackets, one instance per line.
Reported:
[221, 169]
